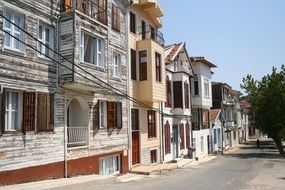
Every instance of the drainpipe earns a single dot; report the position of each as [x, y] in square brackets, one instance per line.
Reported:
[65, 137]
[161, 134]
[128, 91]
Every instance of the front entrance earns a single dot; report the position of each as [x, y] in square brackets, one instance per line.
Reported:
[175, 142]
[135, 147]
[135, 137]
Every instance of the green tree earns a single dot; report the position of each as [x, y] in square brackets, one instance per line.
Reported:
[267, 98]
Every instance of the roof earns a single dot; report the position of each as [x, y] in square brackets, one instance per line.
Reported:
[244, 104]
[235, 92]
[203, 60]
[171, 51]
[221, 84]
[214, 114]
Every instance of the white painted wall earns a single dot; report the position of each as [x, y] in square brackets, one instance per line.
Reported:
[197, 136]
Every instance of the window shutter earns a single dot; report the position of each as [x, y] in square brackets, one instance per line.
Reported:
[186, 94]
[102, 11]
[177, 88]
[151, 124]
[118, 115]
[42, 112]
[181, 129]
[167, 138]
[3, 110]
[187, 135]
[114, 16]
[96, 116]
[111, 115]
[134, 64]
[29, 111]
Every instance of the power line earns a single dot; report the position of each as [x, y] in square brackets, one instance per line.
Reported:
[112, 88]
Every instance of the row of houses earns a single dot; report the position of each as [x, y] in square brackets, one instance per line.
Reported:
[90, 87]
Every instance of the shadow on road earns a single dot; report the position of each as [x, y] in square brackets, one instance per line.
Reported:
[267, 149]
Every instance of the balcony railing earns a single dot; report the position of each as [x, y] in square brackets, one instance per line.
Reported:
[95, 9]
[77, 136]
[148, 32]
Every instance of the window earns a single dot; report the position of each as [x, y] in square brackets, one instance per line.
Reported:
[9, 41]
[102, 114]
[116, 21]
[167, 138]
[116, 65]
[109, 165]
[143, 29]
[13, 111]
[45, 35]
[110, 114]
[177, 88]
[133, 64]
[152, 33]
[143, 65]
[206, 88]
[168, 92]
[91, 50]
[151, 124]
[153, 156]
[158, 66]
[182, 138]
[21, 109]
[132, 22]
[187, 135]
[135, 119]
[186, 94]
[196, 87]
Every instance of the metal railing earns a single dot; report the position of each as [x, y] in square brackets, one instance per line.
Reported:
[95, 9]
[77, 136]
[148, 32]
[195, 126]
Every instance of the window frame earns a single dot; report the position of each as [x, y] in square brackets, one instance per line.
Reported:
[133, 23]
[186, 95]
[8, 97]
[13, 32]
[134, 75]
[51, 40]
[153, 156]
[206, 88]
[143, 75]
[168, 92]
[158, 67]
[151, 123]
[97, 53]
[117, 65]
[102, 108]
[115, 158]
[196, 87]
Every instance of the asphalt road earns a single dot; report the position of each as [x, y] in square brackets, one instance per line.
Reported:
[246, 169]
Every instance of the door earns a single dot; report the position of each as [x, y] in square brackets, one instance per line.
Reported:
[135, 136]
[175, 142]
[135, 147]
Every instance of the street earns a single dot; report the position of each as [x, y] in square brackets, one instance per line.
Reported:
[245, 169]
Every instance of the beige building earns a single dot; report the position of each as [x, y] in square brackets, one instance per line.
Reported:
[147, 81]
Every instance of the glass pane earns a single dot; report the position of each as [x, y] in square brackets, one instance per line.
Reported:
[46, 49]
[7, 40]
[16, 42]
[14, 101]
[17, 21]
[14, 121]
[40, 32]
[116, 163]
[7, 23]
[47, 35]
[101, 170]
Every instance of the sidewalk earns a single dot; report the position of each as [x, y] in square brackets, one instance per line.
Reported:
[137, 173]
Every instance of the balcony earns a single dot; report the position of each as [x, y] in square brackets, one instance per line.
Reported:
[77, 136]
[150, 33]
[96, 9]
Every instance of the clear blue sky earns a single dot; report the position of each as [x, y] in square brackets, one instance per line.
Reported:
[240, 36]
